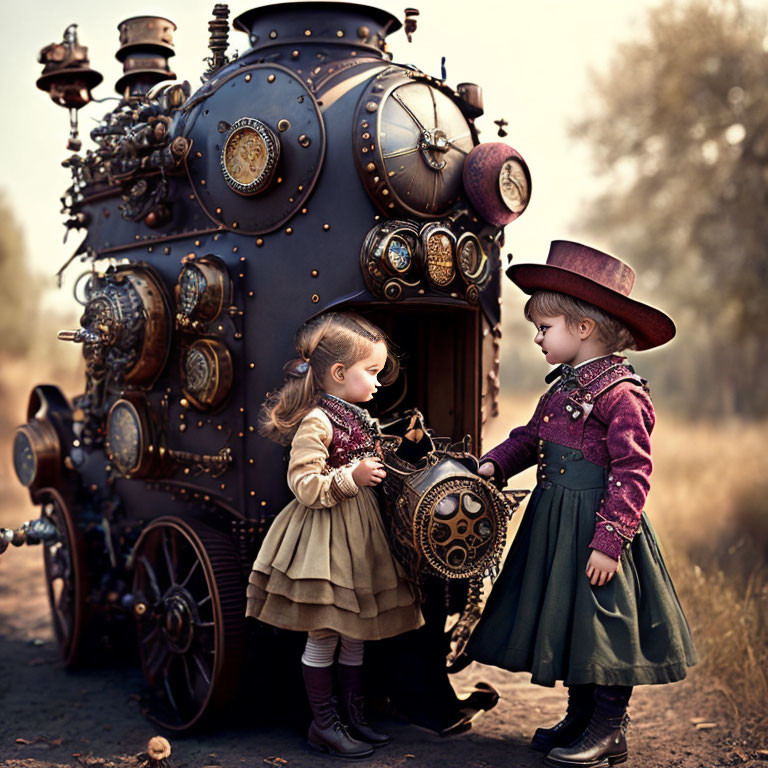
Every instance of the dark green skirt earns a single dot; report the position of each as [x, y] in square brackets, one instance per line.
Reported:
[544, 617]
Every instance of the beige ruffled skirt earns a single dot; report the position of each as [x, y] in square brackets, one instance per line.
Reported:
[331, 568]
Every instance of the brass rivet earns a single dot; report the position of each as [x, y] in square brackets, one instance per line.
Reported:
[197, 243]
[315, 273]
[288, 230]
[385, 192]
[326, 227]
[304, 140]
[202, 181]
[218, 210]
[364, 124]
[304, 210]
[251, 365]
[253, 493]
[259, 242]
[363, 31]
[295, 54]
[198, 154]
[234, 225]
[339, 33]
[271, 79]
[182, 427]
[370, 167]
[283, 125]
[366, 135]
[184, 402]
[371, 106]
[247, 78]
[315, 298]
[307, 33]
[273, 34]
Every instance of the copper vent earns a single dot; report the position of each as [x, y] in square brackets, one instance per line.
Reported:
[146, 44]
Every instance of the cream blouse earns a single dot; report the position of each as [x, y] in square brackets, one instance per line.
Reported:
[312, 481]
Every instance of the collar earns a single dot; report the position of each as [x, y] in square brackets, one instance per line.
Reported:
[344, 411]
[586, 371]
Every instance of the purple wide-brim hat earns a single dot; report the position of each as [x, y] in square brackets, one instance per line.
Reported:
[593, 276]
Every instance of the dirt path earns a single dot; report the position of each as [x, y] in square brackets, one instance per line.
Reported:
[48, 716]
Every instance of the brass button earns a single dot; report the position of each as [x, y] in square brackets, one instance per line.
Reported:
[546, 418]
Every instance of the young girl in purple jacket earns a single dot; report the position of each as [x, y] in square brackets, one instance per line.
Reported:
[584, 595]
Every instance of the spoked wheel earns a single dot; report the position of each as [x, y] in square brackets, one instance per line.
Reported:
[65, 576]
[189, 603]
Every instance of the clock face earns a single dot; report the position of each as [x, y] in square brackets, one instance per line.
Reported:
[411, 141]
[199, 370]
[124, 436]
[192, 285]
[24, 459]
[513, 186]
[250, 156]
[399, 254]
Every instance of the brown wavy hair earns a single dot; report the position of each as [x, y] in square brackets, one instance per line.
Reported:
[613, 333]
[333, 337]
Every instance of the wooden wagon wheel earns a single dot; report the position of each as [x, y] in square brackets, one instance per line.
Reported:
[65, 576]
[189, 603]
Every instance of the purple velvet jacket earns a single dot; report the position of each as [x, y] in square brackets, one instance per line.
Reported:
[603, 409]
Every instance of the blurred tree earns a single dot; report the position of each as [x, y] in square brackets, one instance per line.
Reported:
[19, 292]
[680, 130]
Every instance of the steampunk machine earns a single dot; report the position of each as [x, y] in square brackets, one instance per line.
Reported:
[310, 172]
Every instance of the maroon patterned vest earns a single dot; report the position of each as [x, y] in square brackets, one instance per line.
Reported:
[353, 430]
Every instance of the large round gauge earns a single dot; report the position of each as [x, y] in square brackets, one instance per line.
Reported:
[258, 144]
[129, 436]
[206, 370]
[411, 139]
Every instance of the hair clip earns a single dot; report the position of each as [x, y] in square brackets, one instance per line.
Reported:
[296, 369]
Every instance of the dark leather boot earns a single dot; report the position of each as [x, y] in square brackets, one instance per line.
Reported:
[581, 704]
[606, 734]
[353, 706]
[327, 734]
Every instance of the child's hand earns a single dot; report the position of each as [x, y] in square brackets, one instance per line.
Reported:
[368, 472]
[601, 568]
[486, 469]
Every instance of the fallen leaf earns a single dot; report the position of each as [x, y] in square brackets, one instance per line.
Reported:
[276, 761]
[24, 741]
[705, 726]
[696, 720]
[761, 754]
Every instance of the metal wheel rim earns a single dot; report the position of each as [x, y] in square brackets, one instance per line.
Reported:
[189, 645]
[65, 581]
